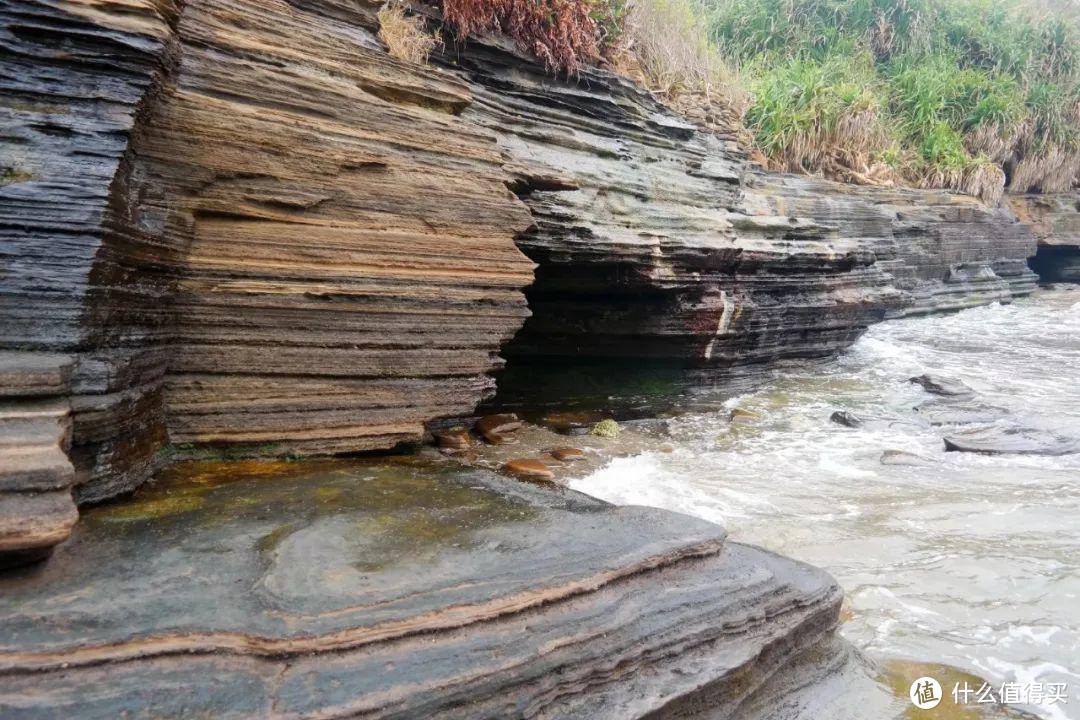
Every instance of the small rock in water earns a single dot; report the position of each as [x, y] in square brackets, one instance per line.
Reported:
[947, 387]
[1011, 441]
[454, 440]
[900, 457]
[653, 426]
[529, 469]
[567, 454]
[952, 413]
[496, 428]
[572, 422]
[740, 416]
[606, 429]
[843, 417]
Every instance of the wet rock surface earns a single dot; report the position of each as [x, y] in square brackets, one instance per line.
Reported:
[498, 429]
[568, 454]
[845, 418]
[904, 458]
[944, 386]
[1011, 440]
[347, 561]
[528, 469]
[944, 412]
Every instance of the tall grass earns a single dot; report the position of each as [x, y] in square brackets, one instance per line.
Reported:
[965, 94]
[664, 46]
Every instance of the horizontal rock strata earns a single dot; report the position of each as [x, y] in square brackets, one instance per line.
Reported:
[352, 271]
[941, 251]
[36, 507]
[247, 225]
[76, 79]
[657, 240]
[409, 594]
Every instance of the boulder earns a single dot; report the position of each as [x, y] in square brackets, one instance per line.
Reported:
[456, 439]
[567, 454]
[572, 422]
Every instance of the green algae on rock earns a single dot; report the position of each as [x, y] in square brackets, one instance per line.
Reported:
[341, 586]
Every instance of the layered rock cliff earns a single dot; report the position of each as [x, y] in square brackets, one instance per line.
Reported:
[656, 239]
[1055, 220]
[244, 224]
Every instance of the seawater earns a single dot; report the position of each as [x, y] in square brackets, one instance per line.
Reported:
[966, 560]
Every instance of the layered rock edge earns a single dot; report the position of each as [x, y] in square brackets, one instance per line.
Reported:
[243, 224]
[548, 604]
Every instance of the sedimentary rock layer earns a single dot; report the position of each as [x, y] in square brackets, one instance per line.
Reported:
[655, 239]
[248, 225]
[390, 591]
[1055, 219]
[77, 290]
[351, 270]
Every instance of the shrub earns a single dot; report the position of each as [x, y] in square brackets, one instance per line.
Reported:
[405, 37]
[563, 34]
[820, 116]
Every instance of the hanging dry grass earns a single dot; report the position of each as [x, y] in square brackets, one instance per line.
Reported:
[1052, 171]
[405, 37]
[984, 180]
[664, 47]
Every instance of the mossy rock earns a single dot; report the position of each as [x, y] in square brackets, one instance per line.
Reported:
[606, 429]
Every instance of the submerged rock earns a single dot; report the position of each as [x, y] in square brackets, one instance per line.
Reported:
[528, 469]
[739, 416]
[902, 457]
[944, 412]
[1011, 441]
[847, 419]
[938, 385]
[320, 589]
[572, 422]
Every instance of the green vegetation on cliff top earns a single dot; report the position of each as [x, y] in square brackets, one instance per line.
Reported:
[964, 94]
